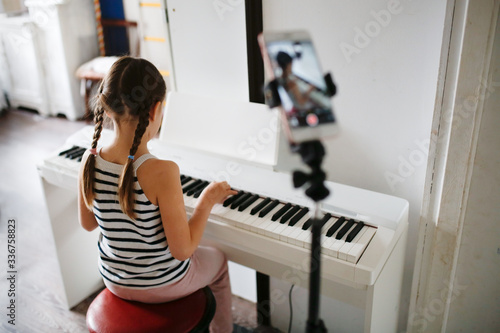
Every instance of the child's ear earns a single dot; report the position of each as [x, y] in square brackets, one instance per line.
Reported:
[155, 111]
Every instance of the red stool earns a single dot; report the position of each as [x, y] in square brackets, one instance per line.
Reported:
[109, 314]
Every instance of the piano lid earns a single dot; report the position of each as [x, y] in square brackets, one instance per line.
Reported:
[236, 130]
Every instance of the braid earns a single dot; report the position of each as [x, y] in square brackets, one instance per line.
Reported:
[98, 119]
[141, 128]
[89, 167]
[126, 181]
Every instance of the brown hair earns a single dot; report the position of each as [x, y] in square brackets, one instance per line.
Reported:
[131, 88]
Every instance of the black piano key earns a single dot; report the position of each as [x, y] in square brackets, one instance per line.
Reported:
[248, 202]
[355, 231]
[196, 188]
[192, 191]
[289, 214]
[345, 229]
[240, 200]
[74, 154]
[79, 155]
[325, 219]
[198, 192]
[298, 216]
[307, 224]
[335, 226]
[72, 151]
[282, 211]
[257, 208]
[185, 180]
[69, 150]
[268, 208]
[230, 200]
[191, 185]
[182, 177]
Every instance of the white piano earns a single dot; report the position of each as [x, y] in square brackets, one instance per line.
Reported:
[265, 227]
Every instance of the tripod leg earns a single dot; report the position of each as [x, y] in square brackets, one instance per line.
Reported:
[314, 323]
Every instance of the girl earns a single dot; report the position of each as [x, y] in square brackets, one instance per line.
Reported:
[148, 249]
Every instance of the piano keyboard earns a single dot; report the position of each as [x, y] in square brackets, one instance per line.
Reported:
[342, 237]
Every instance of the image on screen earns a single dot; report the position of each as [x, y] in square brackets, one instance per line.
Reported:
[302, 88]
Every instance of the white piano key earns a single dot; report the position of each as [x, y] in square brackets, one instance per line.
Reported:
[305, 235]
[242, 217]
[231, 214]
[357, 250]
[279, 229]
[335, 247]
[264, 227]
[329, 242]
[344, 250]
[189, 201]
[221, 212]
[255, 221]
[297, 231]
[251, 221]
[217, 209]
[274, 230]
[286, 234]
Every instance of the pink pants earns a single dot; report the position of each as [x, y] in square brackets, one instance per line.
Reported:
[208, 267]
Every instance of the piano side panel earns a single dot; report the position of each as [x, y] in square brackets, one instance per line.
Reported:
[76, 248]
[384, 297]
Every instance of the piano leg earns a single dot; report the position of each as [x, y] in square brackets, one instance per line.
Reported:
[383, 298]
[76, 248]
[263, 300]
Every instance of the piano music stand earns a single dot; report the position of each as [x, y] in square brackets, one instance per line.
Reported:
[312, 153]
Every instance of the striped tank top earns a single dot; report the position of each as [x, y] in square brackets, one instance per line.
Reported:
[132, 253]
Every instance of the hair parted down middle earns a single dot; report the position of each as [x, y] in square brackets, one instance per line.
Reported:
[130, 89]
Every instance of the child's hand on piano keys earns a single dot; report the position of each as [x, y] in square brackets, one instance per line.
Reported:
[216, 193]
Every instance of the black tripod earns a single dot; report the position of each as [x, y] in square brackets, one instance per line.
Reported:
[312, 153]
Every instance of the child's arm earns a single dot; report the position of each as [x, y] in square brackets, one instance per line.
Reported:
[86, 216]
[183, 235]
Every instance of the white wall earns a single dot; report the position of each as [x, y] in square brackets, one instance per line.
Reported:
[384, 57]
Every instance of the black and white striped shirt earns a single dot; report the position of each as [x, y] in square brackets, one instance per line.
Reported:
[132, 253]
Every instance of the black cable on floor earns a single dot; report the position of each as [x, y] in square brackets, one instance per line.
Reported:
[291, 308]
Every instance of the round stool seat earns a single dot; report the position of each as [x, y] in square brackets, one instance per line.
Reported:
[109, 313]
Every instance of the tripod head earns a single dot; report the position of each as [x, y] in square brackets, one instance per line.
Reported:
[312, 153]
